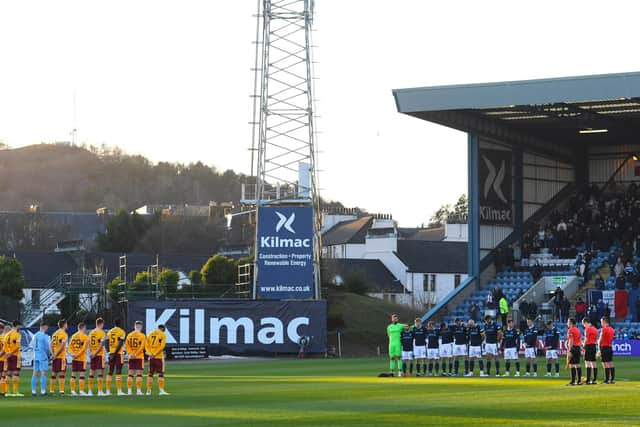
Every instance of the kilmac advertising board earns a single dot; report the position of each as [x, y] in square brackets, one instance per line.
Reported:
[285, 252]
[212, 327]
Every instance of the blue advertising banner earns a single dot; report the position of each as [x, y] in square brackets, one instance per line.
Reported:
[285, 252]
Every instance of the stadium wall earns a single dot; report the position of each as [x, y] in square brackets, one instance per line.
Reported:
[605, 160]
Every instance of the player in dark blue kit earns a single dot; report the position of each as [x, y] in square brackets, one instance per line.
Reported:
[476, 334]
[460, 341]
[551, 344]
[511, 344]
[446, 348]
[433, 354]
[492, 335]
[420, 346]
[406, 339]
[530, 341]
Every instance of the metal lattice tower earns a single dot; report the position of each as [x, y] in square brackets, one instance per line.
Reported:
[283, 146]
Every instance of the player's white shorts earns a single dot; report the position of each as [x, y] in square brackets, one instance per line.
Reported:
[433, 354]
[475, 351]
[491, 348]
[407, 355]
[511, 353]
[459, 350]
[446, 350]
[530, 352]
[420, 351]
[552, 354]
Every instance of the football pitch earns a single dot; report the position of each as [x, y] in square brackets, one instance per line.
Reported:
[337, 392]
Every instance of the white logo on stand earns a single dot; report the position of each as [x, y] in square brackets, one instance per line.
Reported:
[285, 222]
[494, 180]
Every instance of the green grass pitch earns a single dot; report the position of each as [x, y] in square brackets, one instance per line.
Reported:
[336, 393]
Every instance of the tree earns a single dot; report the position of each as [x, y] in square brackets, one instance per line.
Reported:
[114, 288]
[168, 281]
[195, 277]
[356, 284]
[218, 270]
[439, 218]
[11, 278]
[452, 215]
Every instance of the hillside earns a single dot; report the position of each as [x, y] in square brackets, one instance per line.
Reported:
[365, 322]
[71, 178]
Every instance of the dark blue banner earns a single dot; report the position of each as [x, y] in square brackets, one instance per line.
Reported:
[285, 252]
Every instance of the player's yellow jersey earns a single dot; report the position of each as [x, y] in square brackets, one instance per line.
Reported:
[156, 340]
[58, 342]
[3, 357]
[12, 343]
[114, 336]
[96, 337]
[78, 346]
[135, 345]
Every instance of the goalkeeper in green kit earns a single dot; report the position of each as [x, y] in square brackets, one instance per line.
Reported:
[395, 346]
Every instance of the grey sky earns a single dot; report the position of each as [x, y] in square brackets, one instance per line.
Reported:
[171, 79]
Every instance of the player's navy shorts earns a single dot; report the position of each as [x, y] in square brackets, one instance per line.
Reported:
[574, 358]
[59, 366]
[156, 366]
[78, 366]
[97, 363]
[606, 354]
[590, 353]
[136, 364]
[13, 363]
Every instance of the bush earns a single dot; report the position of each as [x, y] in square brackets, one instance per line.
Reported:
[218, 270]
[168, 281]
[113, 288]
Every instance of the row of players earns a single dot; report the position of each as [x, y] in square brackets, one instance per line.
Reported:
[449, 345]
[98, 344]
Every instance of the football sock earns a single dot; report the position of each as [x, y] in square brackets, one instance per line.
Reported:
[16, 384]
[100, 383]
[450, 367]
[481, 363]
[517, 366]
[497, 367]
[109, 380]
[430, 367]
[549, 368]
[466, 366]
[535, 367]
[119, 382]
[573, 375]
[404, 368]
[43, 384]
[34, 383]
[437, 366]
[400, 365]
[507, 366]
[411, 367]
[557, 368]
[607, 374]
[471, 366]
[456, 366]
[61, 384]
[52, 384]
[2, 385]
[392, 365]
[424, 367]
[418, 368]
[579, 374]
[613, 373]
[81, 383]
[139, 382]
[488, 367]
[595, 374]
[161, 383]
[72, 383]
[129, 382]
[528, 367]
[149, 382]
[588, 373]
[90, 382]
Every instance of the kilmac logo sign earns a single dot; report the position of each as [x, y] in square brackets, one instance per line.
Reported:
[496, 185]
[285, 252]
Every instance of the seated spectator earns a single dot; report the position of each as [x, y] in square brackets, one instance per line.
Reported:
[621, 283]
[618, 270]
[599, 283]
[638, 310]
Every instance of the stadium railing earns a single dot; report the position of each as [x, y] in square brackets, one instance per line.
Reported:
[452, 299]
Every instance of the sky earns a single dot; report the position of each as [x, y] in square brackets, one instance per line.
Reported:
[171, 80]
